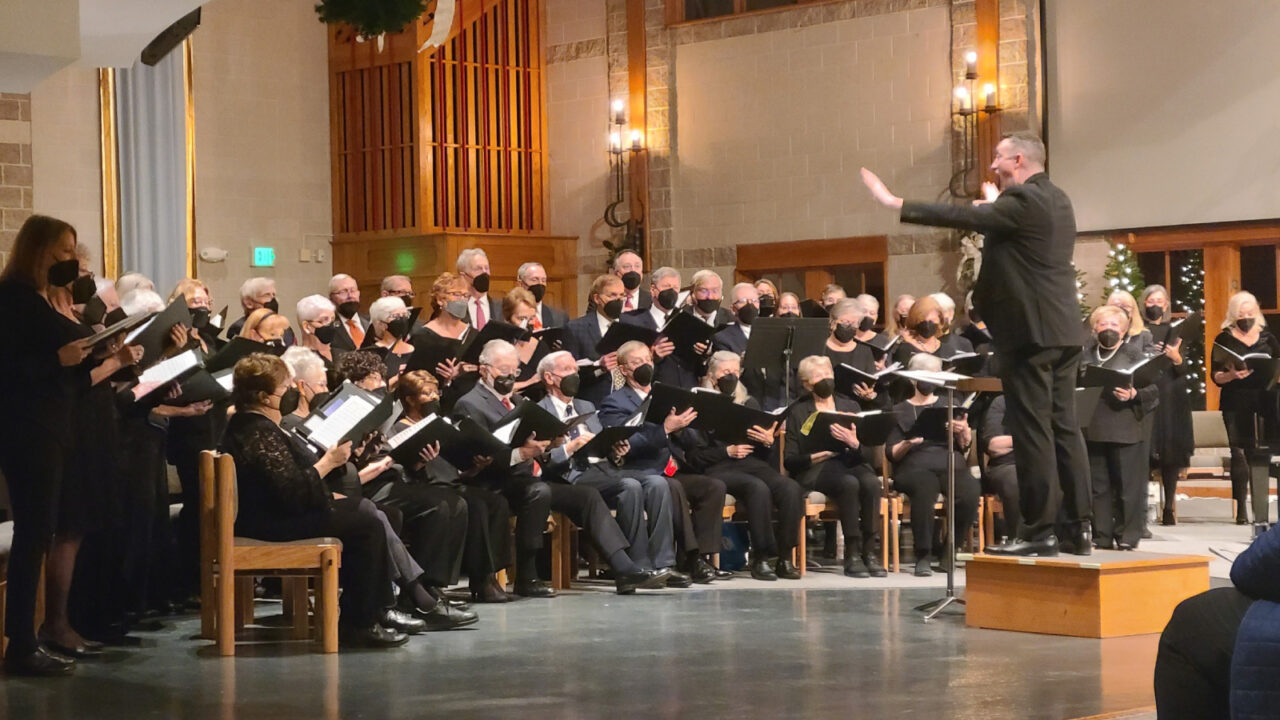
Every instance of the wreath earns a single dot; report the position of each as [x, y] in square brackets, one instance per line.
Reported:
[371, 18]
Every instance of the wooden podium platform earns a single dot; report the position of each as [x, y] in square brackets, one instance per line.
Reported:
[1107, 594]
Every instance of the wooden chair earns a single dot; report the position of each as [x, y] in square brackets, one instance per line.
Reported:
[224, 557]
[899, 507]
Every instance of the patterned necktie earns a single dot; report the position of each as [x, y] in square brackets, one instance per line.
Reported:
[628, 305]
[480, 319]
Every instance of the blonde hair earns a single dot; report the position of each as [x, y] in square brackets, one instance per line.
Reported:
[1136, 326]
[1233, 309]
[255, 319]
[1104, 310]
[811, 365]
[187, 288]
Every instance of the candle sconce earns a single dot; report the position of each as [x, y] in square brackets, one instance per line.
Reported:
[619, 159]
[966, 175]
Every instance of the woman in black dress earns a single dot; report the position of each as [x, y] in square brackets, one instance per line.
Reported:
[1172, 441]
[1244, 399]
[38, 368]
[446, 331]
[519, 308]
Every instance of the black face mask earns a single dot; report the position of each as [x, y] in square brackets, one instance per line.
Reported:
[289, 401]
[748, 313]
[94, 311]
[613, 309]
[538, 291]
[927, 329]
[277, 346]
[1153, 313]
[1245, 324]
[631, 280]
[62, 274]
[1108, 339]
[82, 289]
[481, 283]
[114, 316]
[727, 384]
[319, 399]
[788, 314]
[824, 388]
[643, 375]
[430, 407]
[398, 327]
[866, 323]
[708, 305]
[667, 298]
[926, 388]
[975, 316]
[570, 384]
[349, 308]
[199, 317]
[273, 305]
[504, 384]
[768, 306]
[844, 333]
[325, 333]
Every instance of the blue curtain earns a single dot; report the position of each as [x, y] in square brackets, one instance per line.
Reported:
[151, 125]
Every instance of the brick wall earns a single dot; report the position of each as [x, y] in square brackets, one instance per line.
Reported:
[15, 167]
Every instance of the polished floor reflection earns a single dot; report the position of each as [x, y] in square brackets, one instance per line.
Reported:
[858, 653]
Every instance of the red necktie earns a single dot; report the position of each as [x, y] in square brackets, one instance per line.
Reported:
[506, 403]
[480, 321]
[628, 305]
[536, 323]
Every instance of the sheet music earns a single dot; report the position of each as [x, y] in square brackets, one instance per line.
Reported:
[330, 430]
[137, 331]
[937, 378]
[226, 379]
[166, 370]
[507, 432]
[399, 438]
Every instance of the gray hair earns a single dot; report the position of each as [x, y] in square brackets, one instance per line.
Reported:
[629, 349]
[333, 281]
[701, 277]
[812, 364]
[466, 256]
[945, 302]
[869, 303]
[304, 362]
[311, 306]
[131, 281]
[845, 305]
[1233, 309]
[383, 308]
[1027, 144]
[925, 362]
[548, 361]
[526, 267]
[618, 258]
[1152, 290]
[250, 288]
[718, 358]
[733, 294]
[495, 349]
[142, 301]
[663, 273]
[388, 280]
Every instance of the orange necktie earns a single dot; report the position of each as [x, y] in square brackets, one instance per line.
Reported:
[353, 329]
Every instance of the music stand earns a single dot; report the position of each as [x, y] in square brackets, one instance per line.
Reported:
[953, 382]
[775, 341]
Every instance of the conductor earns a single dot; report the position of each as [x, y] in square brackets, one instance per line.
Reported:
[1026, 292]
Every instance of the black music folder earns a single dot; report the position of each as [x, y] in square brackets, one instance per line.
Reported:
[154, 335]
[493, 330]
[473, 441]
[529, 419]
[846, 376]
[428, 352]
[124, 326]
[664, 398]
[684, 330]
[931, 423]
[620, 333]
[881, 344]
[231, 353]
[1141, 374]
[406, 446]
[873, 428]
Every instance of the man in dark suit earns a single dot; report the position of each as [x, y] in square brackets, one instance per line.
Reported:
[584, 333]
[1026, 293]
[664, 294]
[745, 306]
[633, 495]
[697, 501]
[473, 265]
[258, 292]
[533, 277]
[630, 270]
[344, 293]
[705, 297]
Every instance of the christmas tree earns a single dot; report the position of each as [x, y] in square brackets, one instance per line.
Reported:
[1122, 271]
[1189, 298]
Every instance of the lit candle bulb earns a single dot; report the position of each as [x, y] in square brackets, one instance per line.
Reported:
[636, 138]
[989, 92]
[971, 64]
[615, 142]
[963, 99]
[618, 117]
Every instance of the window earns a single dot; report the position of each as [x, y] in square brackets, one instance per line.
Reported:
[689, 10]
[1181, 272]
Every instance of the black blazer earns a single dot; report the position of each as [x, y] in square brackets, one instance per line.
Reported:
[723, 316]
[1115, 421]
[495, 308]
[552, 317]
[581, 336]
[799, 449]
[482, 406]
[650, 447]
[1026, 290]
[670, 370]
[342, 341]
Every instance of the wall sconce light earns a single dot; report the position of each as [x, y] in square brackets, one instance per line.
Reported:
[965, 182]
[618, 161]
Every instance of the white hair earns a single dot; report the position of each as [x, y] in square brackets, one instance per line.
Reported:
[388, 280]
[548, 361]
[925, 362]
[252, 287]
[618, 258]
[810, 365]
[733, 294]
[1233, 309]
[466, 256]
[663, 273]
[142, 301]
[333, 281]
[100, 284]
[495, 349]
[131, 281]
[869, 303]
[718, 358]
[945, 302]
[312, 306]
[701, 278]
[383, 308]
[848, 304]
[303, 362]
[526, 267]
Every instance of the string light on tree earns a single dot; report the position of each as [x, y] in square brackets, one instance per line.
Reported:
[1122, 271]
[1189, 298]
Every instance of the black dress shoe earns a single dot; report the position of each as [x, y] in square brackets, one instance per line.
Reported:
[722, 574]
[787, 570]
[38, 663]
[371, 637]
[873, 565]
[1047, 547]
[856, 567]
[702, 572]
[1125, 546]
[490, 593]
[535, 588]
[80, 651]
[1167, 518]
[762, 570]
[403, 621]
[677, 579]
[645, 579]
[443, 617]
[923, 568]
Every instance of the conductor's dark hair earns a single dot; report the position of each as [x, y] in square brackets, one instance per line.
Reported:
[254, 374]
[358, 365]
[38, 235]
[1028, 144]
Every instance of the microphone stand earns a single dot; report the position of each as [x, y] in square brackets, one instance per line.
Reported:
[932, 608]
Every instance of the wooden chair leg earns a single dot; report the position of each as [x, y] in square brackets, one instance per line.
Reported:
[982, 534]
[244, 601]
[897, 533]
[557, 554]
[569, 546]
[295, 606]
[327, 598]
[226, 622]
[501, 577]
[801, 547]
[884, 531]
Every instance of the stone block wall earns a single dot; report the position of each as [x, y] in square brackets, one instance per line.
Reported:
[15, 168]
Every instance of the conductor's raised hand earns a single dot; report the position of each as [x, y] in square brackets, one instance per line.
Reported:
[879, 191]
[989, 194]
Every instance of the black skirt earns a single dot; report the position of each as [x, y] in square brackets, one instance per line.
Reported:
[1172, 439]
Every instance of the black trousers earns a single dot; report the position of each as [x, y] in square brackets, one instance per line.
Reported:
[487, 548]
[584, 506]
[697, 509]
[366, 571]
[32, 465]
[1002, 481]
[856, 491]
[1249, 466]
[922, 483]
[1193, 664]
[764, 492]
[1053, 467]
[435, 525]
[1119, 479]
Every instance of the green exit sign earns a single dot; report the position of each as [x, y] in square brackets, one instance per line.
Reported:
[264, 257]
